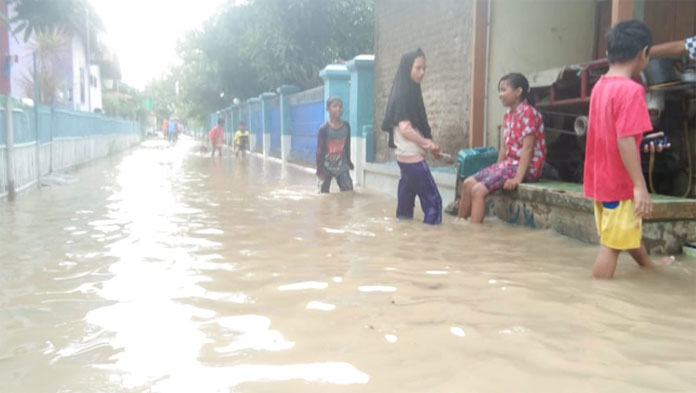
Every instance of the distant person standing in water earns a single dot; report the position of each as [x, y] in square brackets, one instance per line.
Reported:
[333, 149]
[165, 128]
[216, 135]
[409, 132]
[241, 140]
[172, 125]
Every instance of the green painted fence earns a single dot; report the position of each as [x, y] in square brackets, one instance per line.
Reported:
[55, 123]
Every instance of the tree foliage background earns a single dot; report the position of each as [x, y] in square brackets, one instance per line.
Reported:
[257, 46]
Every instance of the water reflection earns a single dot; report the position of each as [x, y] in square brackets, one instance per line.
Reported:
[315, 305]
[298, 286]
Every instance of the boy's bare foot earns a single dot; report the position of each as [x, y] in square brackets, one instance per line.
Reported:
[666, 261]
[640, 255]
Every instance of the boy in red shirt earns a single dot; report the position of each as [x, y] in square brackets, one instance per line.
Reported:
[613, 176]
[216, 136]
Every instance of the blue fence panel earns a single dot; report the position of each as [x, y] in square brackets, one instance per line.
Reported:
[305, 120]
[61, 123]
[67, 125]
[213, 120]
[274, 128]
[256, 126]
[26, 132]
[45, 123]
[227, 129]
[22, 125]
[244, 116]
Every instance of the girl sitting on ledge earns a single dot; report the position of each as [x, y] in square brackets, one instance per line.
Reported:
[521, 158]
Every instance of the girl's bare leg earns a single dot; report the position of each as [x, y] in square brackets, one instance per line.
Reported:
[465, 198]
[478, 203]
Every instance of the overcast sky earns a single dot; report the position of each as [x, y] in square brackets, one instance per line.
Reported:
[144, 33]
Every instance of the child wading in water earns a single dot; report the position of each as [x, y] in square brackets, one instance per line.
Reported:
[409, 132]
[333, 149]
[521, 157]
[613, 176]
[241, 140]
[216, 136]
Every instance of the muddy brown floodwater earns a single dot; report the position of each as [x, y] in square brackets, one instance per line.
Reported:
[163, 270]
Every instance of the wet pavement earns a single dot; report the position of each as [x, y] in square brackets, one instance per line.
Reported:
[163, 270]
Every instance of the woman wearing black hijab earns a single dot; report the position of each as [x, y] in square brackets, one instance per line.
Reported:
[409, 133]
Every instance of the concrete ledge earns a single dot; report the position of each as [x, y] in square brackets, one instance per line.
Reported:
[570, 195]
[561, 207]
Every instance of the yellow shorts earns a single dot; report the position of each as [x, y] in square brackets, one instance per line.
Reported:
[617, 225]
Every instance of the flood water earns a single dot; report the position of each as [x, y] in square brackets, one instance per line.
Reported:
[163, 270]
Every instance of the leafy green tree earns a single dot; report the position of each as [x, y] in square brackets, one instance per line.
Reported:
[162, 92]
[262, 44]
[292, 40]
[124, 102]
[213, 69]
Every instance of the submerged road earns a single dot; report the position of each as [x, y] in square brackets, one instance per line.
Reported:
[163, 270]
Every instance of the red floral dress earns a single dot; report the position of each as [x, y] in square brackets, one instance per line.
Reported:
[523, 121]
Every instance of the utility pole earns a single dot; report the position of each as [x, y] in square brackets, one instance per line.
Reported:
[36, 122]
[89, 65]
[9, 136]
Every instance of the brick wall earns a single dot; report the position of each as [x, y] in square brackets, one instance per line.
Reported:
[442, 28]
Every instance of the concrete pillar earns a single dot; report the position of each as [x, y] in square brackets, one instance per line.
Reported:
[337, 83]
[285, 123]
[229, 132]
[211, 122]
[369, 134]
[246, 118]
[252, 126]
[233, 126]
[243, 115]
[265, 121]
[223, 116]
[361, 104]
[9, 143]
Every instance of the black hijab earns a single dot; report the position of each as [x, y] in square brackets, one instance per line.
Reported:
[405, 100]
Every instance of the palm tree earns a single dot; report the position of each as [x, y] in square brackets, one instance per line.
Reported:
[32, 16]
[52, 24]
[51, 48]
